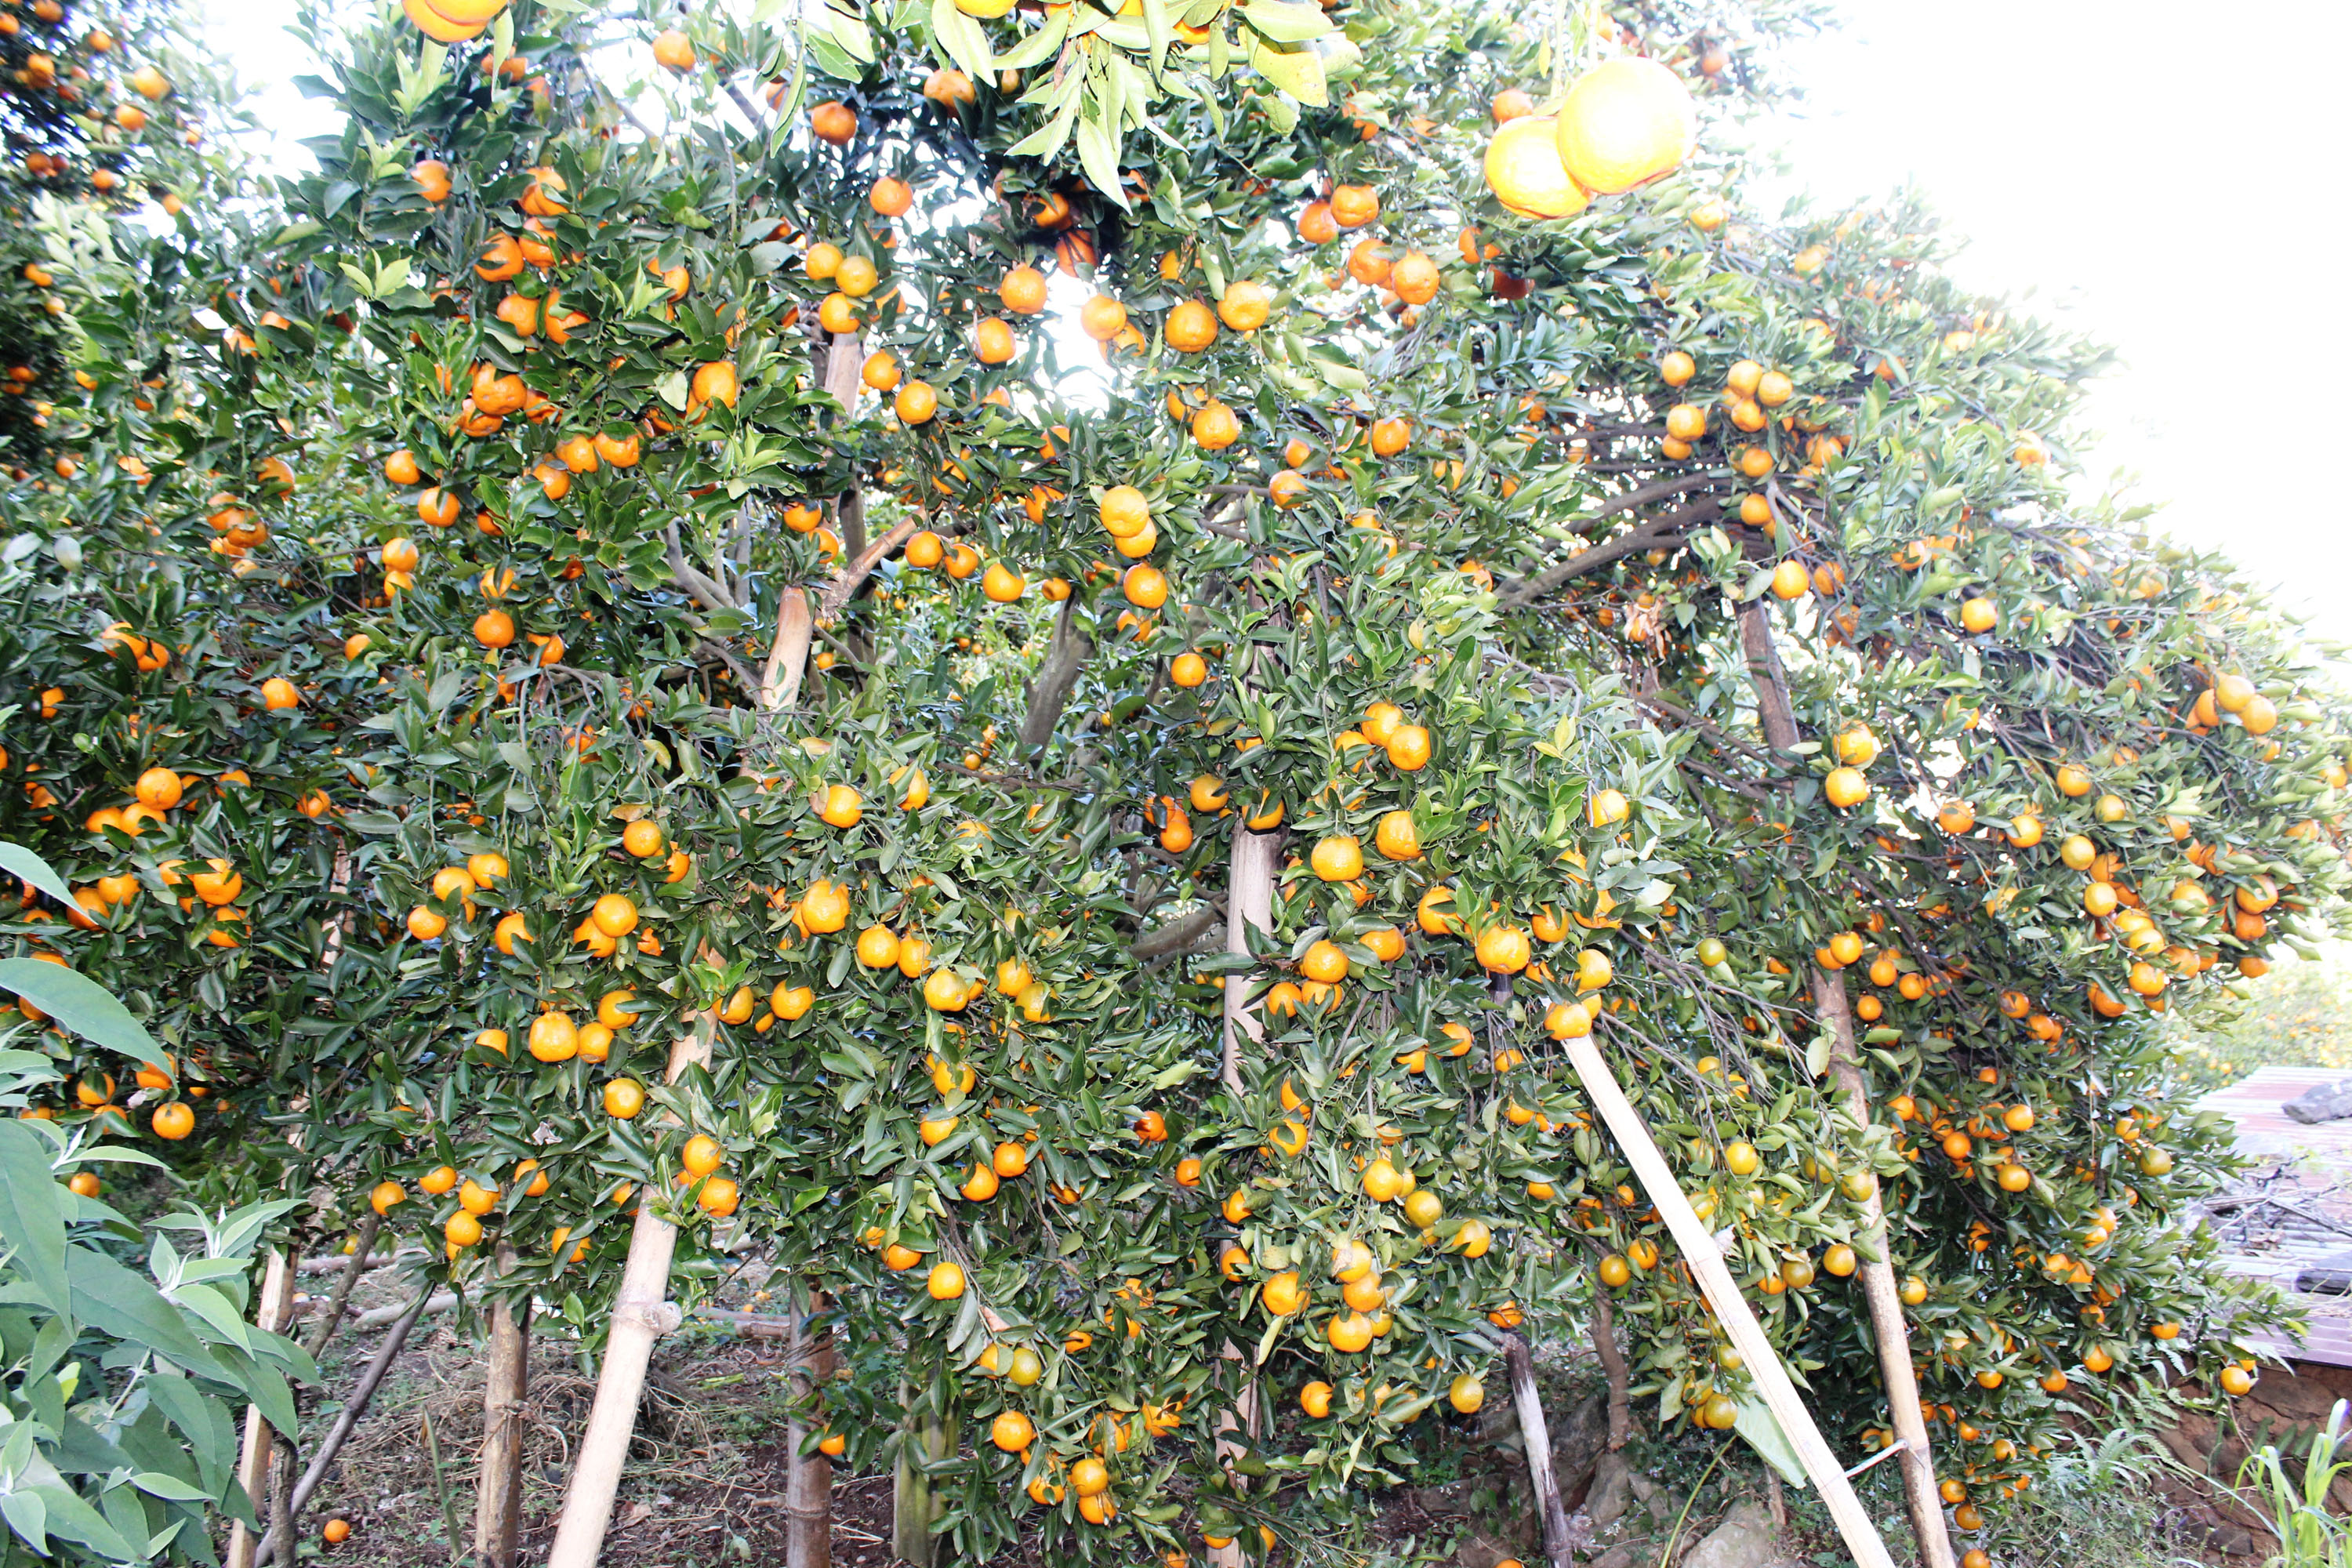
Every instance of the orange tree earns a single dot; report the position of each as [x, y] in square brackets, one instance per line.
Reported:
[171, 719]
[829, 603]
[102, 107]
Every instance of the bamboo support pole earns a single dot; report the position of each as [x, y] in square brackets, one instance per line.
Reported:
[1731, 1311]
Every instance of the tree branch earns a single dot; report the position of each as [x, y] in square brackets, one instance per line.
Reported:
[861, 566]
[1527, 590]
[743, 673]
[691, 578]
[1179, 933]
[1049, 693]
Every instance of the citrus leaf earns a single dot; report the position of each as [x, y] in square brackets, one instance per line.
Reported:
[31, 1221]
[81, 1005]
[22, 862]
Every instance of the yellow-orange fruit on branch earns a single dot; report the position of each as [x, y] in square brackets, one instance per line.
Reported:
[1623, 121]
[1524, 171]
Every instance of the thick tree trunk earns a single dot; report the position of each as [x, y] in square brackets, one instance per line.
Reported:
[808, 1484]
[1049, 693]
[1778, 720]
[274, 1307]
[642, 1313]
[497, 1494]
[1534, 1436]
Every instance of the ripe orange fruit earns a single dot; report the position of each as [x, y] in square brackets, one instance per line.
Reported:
[1190, 327]
[843, 807]
[891, 196]
[623, 1098]
[1144, 586]
[614, 914]
[1503, 949]
[1188, 669]
[1012, 1431]
[1353, 206]
[945, 1282]
[1415, 277]
[1524, 170]
[173, 1119]
[714, 383]
[1246, 306]
[1409, 748]
[1510, 104]
[1625, 120]
[1102, 318]
[1022, 291]
[335, 1532]
[835, 123]
[1215, 427]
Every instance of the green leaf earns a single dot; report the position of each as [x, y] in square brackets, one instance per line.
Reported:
[81, 1005]
[1048, 139]
[1298, 72]
[31, 1220]
[28, 1517]
[1763, 1433]
[113, 1300]
[171, 1489]
[961, 37]
[73, 1520]
[22, 862]
[1285, 21]
[1038, 46]
[1099, 152]
[215, 1310]
[850, 33]
[1817, 1055]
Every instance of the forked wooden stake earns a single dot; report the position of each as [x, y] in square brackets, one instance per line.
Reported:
[1697, 1244]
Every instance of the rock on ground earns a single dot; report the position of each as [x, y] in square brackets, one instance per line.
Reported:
[1744, 1539]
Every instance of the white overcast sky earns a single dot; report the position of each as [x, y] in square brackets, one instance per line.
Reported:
[2154, 172]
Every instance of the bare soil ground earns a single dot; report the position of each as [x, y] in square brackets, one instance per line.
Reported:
[706, 1480]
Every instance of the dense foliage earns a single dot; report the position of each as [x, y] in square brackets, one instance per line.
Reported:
[873, 551]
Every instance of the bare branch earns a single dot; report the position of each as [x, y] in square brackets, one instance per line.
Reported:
[1648, 535]
[743, 673]
[1049, 693]
[1179, 933]
[686, 576]
[861, 565]
[749, 114]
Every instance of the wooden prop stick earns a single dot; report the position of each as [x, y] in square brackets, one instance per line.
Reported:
[642, 1313]
[1697, 1244]
[1776, 717]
